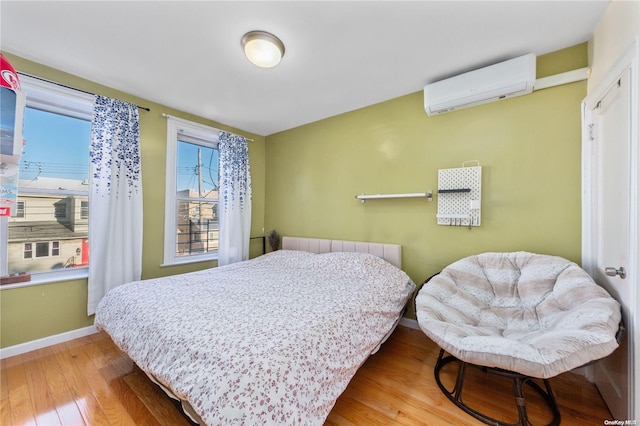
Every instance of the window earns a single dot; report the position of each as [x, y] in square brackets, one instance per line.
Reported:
[191, 215]
[60, 210]
[20, 209]
[28, 250]
[42, 249]
[84, 210]
[48, 240]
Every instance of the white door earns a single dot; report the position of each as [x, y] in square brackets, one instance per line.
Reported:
[609, 127]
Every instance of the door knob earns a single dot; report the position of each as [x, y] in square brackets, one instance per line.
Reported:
[612, 272]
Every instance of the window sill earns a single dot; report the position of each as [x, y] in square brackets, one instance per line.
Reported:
[190, 259]
[50, 277]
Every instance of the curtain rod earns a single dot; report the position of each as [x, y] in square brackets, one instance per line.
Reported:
[69, 87]
[178, 118]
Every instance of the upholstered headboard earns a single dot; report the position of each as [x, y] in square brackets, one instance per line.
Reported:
[392, 253]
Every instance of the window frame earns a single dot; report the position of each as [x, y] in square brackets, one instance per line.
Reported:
[198, 134]
[54, 98]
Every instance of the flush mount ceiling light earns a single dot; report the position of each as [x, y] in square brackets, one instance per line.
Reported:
[262, 49]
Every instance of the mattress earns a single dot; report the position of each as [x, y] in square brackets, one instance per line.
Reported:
[273, 340]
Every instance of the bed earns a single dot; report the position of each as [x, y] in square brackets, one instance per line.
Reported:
[272, 340]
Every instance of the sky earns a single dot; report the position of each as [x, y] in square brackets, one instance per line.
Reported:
[188, 167]
[58, 147]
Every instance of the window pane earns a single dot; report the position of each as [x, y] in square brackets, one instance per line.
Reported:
[197, 170]
[42, 249]
[56, 151]
[197, 230]
[84, 209]
[54, 183]
[28, 251]
[197, 219]
[60, 209]
[20, 209]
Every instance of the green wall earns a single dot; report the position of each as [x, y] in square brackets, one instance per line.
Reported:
[34, 312]
[529, 149]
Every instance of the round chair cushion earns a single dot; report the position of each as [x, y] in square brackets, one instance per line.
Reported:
[534, 314]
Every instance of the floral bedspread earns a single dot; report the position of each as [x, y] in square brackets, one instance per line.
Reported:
[273, 340]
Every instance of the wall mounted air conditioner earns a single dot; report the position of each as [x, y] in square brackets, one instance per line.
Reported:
[507, 79]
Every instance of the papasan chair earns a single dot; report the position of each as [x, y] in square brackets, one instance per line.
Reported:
[524, 316]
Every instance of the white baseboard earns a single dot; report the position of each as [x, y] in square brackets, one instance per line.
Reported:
[411, 323]
[46, 341]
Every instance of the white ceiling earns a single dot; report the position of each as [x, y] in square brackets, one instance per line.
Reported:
[340, 55]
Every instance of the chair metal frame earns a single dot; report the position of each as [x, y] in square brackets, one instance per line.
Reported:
[519, 380]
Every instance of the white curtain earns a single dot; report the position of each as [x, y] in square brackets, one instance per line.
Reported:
[234, 199]
[115, 198]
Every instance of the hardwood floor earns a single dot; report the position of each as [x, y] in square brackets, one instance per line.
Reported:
[88, 381]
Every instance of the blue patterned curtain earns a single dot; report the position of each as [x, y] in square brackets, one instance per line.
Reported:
[234, 199]
[115, 198]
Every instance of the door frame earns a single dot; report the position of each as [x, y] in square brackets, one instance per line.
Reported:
[630, 60]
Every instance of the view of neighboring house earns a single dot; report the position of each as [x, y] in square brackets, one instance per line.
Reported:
[198, 222]
[51, 227]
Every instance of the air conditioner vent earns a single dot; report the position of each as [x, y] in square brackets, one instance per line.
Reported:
[503, 80]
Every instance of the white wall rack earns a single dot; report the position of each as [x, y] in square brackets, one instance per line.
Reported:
[459, 194]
